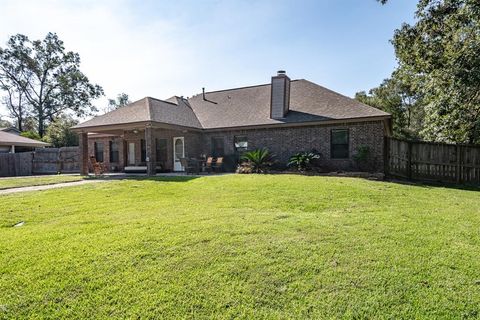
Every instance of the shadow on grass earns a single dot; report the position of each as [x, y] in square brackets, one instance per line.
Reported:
[146, 178]
[395, 180]
[432, 184]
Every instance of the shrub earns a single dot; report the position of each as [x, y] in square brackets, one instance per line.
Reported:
[303, 160]
[362, 158]
[256, 161]
[31, 135]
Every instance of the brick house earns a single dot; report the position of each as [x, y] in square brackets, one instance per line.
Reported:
[286, 116]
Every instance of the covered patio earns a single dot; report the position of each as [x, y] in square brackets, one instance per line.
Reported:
[148, 135]
[138, 148]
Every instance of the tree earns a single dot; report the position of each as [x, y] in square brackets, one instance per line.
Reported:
[13, 100]
[5, 123]
[48, 77]
[31, 135]
[396, 97]
[441, 53]
[30, 123]
[120, 101]
[59, 132]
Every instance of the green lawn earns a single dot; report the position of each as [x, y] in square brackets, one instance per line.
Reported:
[241, 246]
[6, 183]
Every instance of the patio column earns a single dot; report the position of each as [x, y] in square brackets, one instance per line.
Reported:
[83, 143]
[150, 149]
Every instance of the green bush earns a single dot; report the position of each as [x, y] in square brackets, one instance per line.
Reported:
[256, 161]
[363, 158]
[31, 135]
[303, 160]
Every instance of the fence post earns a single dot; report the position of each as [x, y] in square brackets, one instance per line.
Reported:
[386, 155]
[458, 171]
[409, 159]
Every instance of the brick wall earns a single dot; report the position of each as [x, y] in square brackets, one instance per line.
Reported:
[283, 142]
[112, 166]
[192, 140]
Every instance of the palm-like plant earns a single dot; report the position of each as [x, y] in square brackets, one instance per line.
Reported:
[259, 159]
[302, 160]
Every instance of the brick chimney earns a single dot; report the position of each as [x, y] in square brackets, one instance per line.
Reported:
[280, 100]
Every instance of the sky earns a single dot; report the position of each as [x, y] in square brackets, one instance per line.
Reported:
[166, 48]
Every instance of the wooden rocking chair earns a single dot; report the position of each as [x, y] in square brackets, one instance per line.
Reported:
[209, 164]
[98, 167]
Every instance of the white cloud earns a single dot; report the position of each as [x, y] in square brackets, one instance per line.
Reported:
[162, 48]
[122, 49]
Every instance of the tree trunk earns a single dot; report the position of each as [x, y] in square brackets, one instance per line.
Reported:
[20, 123]
[20, 115]
[41, 127]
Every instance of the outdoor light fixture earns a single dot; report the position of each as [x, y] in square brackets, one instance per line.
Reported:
[135, 131]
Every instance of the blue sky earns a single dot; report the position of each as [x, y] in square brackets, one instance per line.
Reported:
[163, 48]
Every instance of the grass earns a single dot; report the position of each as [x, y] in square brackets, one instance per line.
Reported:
[6, 183]
[254, 246]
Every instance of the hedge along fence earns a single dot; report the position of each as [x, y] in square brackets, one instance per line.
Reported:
[42, 161]
[428, 161]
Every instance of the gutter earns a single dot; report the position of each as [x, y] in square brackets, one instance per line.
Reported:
[160, 125]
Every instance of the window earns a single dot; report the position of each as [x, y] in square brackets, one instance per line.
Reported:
[113, 151]
[161, 152]
[144, 151]
[217, 147]
[339, 144]
[98, 146]
[240, 143]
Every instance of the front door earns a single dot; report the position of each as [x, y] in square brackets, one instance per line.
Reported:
[178, 153]
[131, 153]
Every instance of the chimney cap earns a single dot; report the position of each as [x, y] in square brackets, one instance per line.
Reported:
[281, 73]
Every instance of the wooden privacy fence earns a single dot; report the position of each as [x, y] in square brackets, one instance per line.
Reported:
[42, 161]
[16, 164]
[56, 160]
[432, 161]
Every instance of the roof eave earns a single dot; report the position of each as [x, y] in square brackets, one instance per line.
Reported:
[301, 124]
[132, 125]
[24, 144]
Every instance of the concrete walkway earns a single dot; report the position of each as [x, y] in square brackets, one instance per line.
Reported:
[104, 178]
[50, 186]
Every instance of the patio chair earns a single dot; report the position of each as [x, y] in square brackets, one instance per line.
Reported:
[218, 166]
[98, 167]
[189, 166]
[209, 164]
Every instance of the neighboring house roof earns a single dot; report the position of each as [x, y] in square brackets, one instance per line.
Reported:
[11, 130]
[247, 106]
[10, 139]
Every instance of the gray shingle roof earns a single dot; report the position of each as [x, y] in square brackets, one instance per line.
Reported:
[147, 109]
[9, 139]
[248, 106]
[11, 130]
[251, 106]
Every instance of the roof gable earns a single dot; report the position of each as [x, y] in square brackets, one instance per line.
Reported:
[251, 106]
[247, 106]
